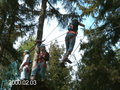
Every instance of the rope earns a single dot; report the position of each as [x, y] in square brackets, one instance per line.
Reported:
[51, 31]
[78, 45]
[72, 37]
[61, 40]
[44, 39]
[82, 40]
[64, 40]
[76, 49]
[56, 38]
[33, 47]
[76, 59]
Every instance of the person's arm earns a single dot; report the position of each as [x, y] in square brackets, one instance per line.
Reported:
[24, 61]
[81, 24]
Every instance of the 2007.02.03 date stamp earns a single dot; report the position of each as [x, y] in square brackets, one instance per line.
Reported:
[23, 82]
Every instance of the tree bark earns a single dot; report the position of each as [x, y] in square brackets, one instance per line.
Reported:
[40, 29]
[41, 20]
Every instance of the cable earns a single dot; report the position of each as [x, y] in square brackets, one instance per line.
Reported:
[33, 47]
[51, 31]
[75, 50]
[62, 41]
[81, 41]
[78, 45]
[56, 38]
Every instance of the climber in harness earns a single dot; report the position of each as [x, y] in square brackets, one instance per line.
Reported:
[40, 68]
[70, 38]
[24, 67]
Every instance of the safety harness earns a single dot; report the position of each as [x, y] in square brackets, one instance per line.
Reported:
[71, 31]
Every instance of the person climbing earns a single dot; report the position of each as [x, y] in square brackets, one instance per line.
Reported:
[70, 38]
[24, 67]
[40, 68]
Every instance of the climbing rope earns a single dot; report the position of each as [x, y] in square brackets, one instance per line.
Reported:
[33, 47]
[56, 37]
[51, 31]
[64, 40]
[76, 49]
[81, 42]
[37, 41]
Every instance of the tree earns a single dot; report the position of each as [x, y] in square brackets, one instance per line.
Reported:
[58, 78]
[100, 67]
[17, 19]
[55, 79]
[28, 45]
[13, 18]
[11, 72]
[53, 12]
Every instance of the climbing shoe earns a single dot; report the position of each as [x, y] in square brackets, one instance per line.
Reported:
[62, 64]
[67, 60]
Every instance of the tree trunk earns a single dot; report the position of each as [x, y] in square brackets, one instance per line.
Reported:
[41, 20]
[40, 29]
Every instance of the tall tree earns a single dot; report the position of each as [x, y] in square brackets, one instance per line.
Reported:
[13, 18]
[100, 67]
[18, 17]
[40, 28]
[51, 11]
[58, 78]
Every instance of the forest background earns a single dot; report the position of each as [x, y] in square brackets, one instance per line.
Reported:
[98, 64]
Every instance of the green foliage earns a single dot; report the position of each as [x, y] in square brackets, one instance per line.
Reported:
[100, 63]
[8, 73]
[12, 70]
[100, 68]
[13, 25]
[18, 18]
[28, 45]
[59, 78]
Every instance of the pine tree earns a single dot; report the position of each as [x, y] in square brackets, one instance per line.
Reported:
[13, 18]
[58, 78]
[100, 67]
[53, 12]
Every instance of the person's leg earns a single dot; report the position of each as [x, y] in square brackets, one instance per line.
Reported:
[42, 71]
[67, 41]
[22, 74]
[72, 43]
[27, 73]
[33, 73]
[72, 38]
